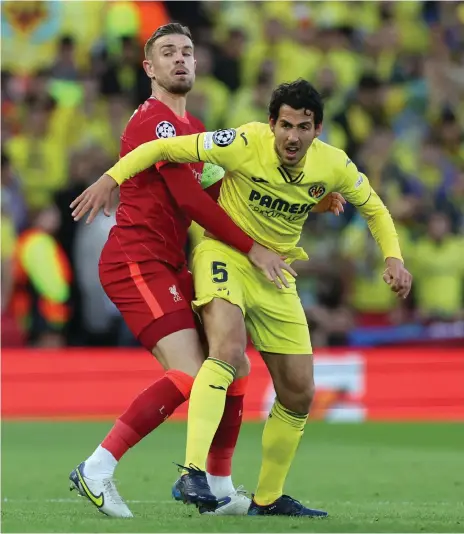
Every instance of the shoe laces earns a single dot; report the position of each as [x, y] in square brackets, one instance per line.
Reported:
[297, 505]
[192, 470]
[292, 500]
[195, 472]
[240, 490]
[112, 492]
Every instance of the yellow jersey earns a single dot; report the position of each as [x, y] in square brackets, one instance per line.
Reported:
[268, 201]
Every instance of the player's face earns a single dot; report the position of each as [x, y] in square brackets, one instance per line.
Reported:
[294, 131]
[171, 64]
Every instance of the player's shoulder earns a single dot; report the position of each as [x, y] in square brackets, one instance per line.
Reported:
[152, 120]
[195, 123]
[255, 129]
[247, 135]
[331, 155]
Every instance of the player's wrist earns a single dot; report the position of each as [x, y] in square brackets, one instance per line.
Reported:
[392, 260]
[253, 247]
[112, 181]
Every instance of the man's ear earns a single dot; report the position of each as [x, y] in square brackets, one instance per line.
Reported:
[272, 124]
[318, 130]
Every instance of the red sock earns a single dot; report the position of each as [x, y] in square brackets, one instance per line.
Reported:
[223, 445]
[151, 408]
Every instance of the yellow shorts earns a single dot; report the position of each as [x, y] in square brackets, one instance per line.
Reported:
[274, 318]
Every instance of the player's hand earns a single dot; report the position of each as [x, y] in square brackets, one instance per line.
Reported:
[93, 199]
[397, 277]
[332, 202]
[271, 264]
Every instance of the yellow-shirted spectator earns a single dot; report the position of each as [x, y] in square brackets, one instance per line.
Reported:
[380, 53]
[227, 16]
[30, 31]
[250, 102]
[8, 236]
[42, 279]
[290, 58]
[122, 19]
[363, 113]
[91, 121]
[437, 263]
[369, 294]
[337, 54]
[209, 98]
[38, 156]
[413, 31]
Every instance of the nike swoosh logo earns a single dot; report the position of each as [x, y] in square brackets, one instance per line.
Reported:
[259, 180]
[98, 501]
[223, 502]
[217, 387]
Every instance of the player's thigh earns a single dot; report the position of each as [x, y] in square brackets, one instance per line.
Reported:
[150, 299]
[275, 319]
[218, 277]
[293, 379]
[182, 349]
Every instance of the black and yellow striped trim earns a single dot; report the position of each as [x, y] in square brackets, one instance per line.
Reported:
[224, 365]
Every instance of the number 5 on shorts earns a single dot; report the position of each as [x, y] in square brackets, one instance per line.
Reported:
[219, 273]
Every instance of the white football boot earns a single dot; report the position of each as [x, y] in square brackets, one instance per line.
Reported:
[101, 492]
[236, 503]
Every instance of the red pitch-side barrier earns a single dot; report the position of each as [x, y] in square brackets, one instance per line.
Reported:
[352, 385]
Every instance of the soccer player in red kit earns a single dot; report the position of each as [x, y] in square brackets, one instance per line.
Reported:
[143, 270]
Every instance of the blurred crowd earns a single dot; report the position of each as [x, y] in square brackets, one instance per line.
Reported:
[392, 77]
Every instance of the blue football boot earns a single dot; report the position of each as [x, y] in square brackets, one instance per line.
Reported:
[193, 488]
[287, 506]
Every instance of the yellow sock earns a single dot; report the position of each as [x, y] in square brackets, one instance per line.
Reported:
[281, 437]
[207, 401]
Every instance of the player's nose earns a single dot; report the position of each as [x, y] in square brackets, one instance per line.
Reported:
[292, 137]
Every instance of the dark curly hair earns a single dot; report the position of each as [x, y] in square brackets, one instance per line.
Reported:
[299, 94]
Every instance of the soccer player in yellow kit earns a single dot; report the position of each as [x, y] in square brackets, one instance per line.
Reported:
[276, 174]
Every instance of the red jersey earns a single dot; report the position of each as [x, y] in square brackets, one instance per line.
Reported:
[149, 223]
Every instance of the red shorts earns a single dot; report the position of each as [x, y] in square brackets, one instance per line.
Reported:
[153, 298]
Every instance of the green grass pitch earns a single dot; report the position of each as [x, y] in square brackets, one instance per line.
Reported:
[370, 477]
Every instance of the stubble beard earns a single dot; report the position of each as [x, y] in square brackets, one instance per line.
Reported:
[179, 87]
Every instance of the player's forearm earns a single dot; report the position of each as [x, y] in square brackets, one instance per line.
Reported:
[200, 207]
[381, 226]
[176, 149]
[214, 191]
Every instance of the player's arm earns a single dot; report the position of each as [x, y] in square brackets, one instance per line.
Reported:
[227, 151]
[225, 148]
[200, 207]
[190, 198]
[355, 187]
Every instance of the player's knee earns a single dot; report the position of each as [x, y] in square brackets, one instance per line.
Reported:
[230, 352]
[244, 367]
[298, 396]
